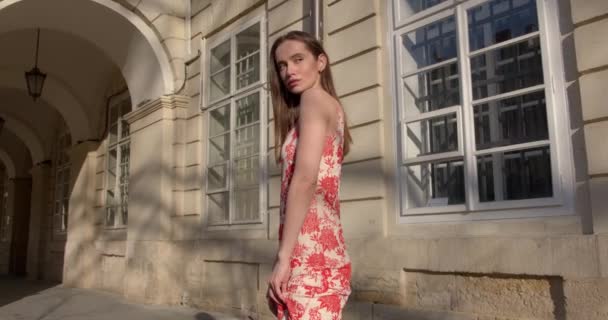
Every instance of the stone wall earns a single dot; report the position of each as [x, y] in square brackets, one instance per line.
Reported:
[541, 268]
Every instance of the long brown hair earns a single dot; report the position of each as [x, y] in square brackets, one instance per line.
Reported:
[286, 105]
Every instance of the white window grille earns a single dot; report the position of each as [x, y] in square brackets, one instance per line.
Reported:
[477, 107]
[117, 163]
[61, 198]
[236, 112]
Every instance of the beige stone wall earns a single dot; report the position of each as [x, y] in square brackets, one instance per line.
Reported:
[591, 21]
[542, 268]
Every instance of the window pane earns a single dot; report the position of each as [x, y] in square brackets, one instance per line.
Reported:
[220, 57]
[220, 85]
[247, 141]
[110, 198]
[506, 69]
[219, 149]
[64, 215]
[501, 20]
[511, 121]
[114, 114]
[429, 45]
[431, 90]
[522, 174]
[432, 136]
[218, 207]
[408, 8]
[110, 215]
[124, 163]
[124, 129]
[248, 71]
[247, 204]
[248, 57]
[113, 133]
[248, 110]
[247, 172]
[124, 214]
[112, 158]
[435, 184]
[219, 120]
[217, 177]
[248, 41]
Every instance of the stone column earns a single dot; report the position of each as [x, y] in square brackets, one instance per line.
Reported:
[150, 194]
[39, 206]
[82, 261]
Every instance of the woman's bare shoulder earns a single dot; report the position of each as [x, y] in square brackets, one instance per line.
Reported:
[318, 100]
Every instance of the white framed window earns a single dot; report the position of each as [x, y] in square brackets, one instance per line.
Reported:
[478, 109]
[236, 126]
[5, 218]
[117, 163]
[61, 197]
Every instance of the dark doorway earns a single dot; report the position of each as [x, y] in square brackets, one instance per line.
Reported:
[21, 226]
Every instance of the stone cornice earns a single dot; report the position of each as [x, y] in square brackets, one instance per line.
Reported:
[168, 101]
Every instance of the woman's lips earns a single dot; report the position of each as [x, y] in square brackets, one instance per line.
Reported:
[292, 83]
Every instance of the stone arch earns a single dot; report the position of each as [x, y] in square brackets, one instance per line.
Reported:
[126, 39]
[15, 154]
[9, 164]
[27, 135]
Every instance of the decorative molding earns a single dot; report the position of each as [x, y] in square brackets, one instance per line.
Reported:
[149, 107]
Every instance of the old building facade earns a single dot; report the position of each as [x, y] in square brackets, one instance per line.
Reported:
[476, 187]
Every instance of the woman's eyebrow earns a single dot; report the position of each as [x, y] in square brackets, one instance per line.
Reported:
[295, 55]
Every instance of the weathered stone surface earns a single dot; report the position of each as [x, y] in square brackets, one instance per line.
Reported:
[386, 312]
[355, 39]
[230, 286]
[603, 253]
[113, 273]
[368, 142]
[342, 13]
[598, 189]
[586, 9]
[285, 14]
[357, 310]
[357, 73]
[586, 299]
[593, 90]
[507, 297]
[377, 285]
[590, 45]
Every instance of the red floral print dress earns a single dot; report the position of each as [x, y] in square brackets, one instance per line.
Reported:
[320, 266]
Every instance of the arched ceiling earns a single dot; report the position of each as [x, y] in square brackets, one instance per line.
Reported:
[84, 44]
[78, 75]
[128, 41]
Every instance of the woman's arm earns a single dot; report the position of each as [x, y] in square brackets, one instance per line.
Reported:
[315, 105]
[313, 127]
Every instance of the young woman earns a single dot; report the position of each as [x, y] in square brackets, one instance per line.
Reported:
[311, 275]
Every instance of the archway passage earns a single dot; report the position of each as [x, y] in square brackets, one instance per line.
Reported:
[90, 50]
[15, 203]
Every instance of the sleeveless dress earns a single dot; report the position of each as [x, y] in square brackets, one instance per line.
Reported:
[320, 266]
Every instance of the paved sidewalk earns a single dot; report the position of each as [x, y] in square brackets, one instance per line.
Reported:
[34, 300]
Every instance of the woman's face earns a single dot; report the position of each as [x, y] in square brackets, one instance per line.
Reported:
[298, 68]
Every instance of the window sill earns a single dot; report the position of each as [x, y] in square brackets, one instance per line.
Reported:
[495, 213]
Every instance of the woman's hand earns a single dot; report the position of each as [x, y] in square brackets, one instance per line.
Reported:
[278, 281]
